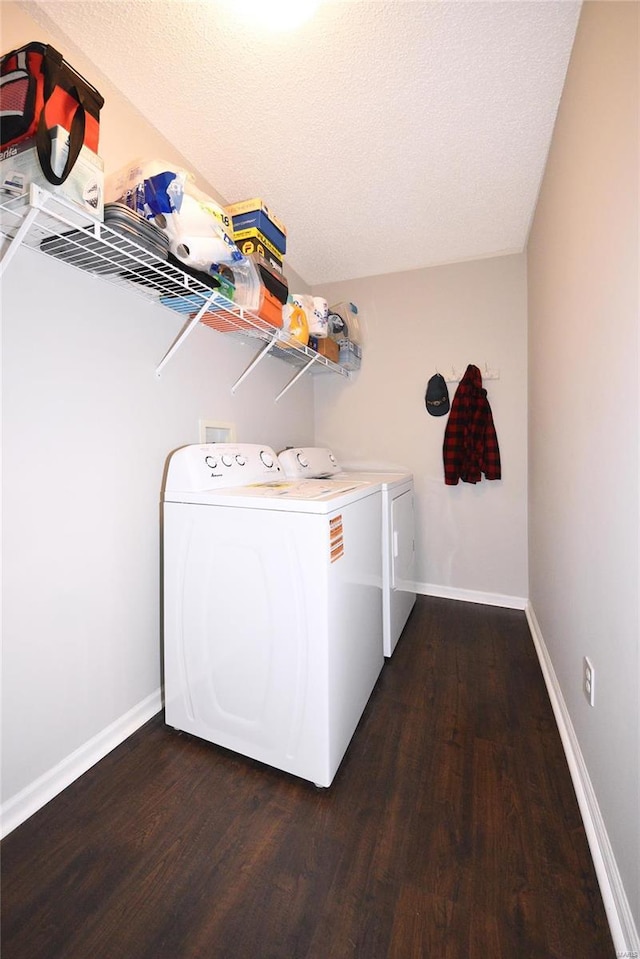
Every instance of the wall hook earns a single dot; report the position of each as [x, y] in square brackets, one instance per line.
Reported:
[490, 374]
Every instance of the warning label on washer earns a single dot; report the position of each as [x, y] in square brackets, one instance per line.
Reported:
[336, 537]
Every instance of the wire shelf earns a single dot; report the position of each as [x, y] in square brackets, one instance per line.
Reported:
[48, 224]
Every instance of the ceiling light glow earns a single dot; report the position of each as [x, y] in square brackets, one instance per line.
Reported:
[276, 15]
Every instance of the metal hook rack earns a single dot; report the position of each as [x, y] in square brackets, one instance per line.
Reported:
[455, 373]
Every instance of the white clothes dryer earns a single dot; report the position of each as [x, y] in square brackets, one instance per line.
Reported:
[272, 607]
[398, 537]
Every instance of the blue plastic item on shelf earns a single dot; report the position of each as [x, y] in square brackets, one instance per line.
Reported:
[198, 228]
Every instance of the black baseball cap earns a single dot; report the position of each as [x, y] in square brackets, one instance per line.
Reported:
[436, 399]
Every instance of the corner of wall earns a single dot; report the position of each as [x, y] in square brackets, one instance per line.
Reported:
[616, 904]
[38, 793]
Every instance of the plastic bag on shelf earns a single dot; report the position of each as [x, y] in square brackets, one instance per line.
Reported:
[345, 322]
[248, 288]
[198, 228]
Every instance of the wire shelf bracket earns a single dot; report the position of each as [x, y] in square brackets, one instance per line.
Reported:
[296, 378]
[184, 333]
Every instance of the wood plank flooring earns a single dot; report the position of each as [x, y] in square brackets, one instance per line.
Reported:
[451, 830]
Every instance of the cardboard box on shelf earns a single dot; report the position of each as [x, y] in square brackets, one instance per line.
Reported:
[256, 205]
[257, 220]
[253, 241]
[329, 348]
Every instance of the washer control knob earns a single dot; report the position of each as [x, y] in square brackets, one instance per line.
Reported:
[333, 459]
[266, 458]
[211, 462]
[240, 460]
[301, 458]
[226, 459]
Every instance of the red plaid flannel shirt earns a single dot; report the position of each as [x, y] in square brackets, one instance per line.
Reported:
[470, 443]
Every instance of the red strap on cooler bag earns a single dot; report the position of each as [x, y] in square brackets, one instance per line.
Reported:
[39, 90]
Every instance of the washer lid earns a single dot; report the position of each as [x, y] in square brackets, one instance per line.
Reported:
[305, 489]
[389, 480]
[295, 496]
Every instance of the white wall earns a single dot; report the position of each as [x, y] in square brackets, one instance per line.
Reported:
[86, 430]
[471, 541]
[583, 267]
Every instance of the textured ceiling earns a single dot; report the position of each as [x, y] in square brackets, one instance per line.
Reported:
[386, 134]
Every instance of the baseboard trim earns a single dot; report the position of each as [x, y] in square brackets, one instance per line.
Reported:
[34, 796]
[621, 921]
[471, 596]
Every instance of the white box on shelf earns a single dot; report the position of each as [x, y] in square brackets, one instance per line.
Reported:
[84, 187]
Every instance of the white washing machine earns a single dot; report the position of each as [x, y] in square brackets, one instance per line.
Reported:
[272, 606]
[398, 538]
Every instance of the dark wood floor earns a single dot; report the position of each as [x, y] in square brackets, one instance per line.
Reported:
[451, 831]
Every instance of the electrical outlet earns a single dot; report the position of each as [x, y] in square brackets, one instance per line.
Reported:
[588, 680]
